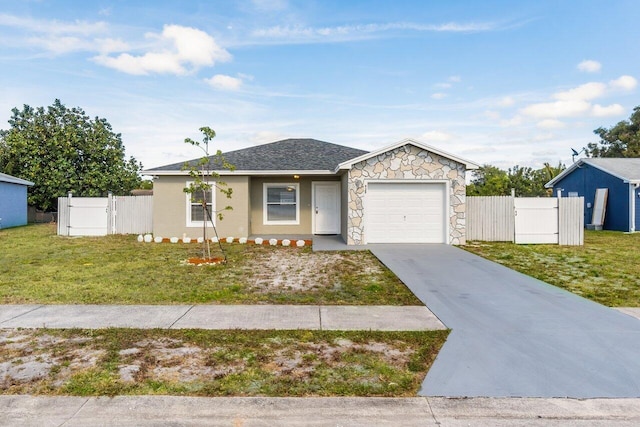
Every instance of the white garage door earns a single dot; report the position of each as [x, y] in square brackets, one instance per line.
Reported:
[405, 213]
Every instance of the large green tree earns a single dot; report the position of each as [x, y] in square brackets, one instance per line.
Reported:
[621, 140]
[62, 150]
[525, 181]
[489, 181]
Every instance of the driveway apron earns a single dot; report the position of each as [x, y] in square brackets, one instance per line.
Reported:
[515, 336]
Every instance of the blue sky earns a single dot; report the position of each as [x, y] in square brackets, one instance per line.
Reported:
[499, 82]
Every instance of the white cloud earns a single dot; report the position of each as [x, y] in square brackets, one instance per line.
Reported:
[438, 95]
[178, 50]
[59, 45]
[589, 66]
[437, 136]
[56, 37]
[583, 92]
[306, 34]
[514, 121]
[609, 110]
[624, 83]
[577, 101]
[507, 101]
[493, 115]
[220, 81]
[550, 124]
[111, 45]
[564, 108]
[41, 26]
[451, 80]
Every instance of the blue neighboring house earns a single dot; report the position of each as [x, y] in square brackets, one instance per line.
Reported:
[13, 201]
[621, 176]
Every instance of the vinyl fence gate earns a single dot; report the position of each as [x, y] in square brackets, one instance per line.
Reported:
[551, 220]
[99, 216]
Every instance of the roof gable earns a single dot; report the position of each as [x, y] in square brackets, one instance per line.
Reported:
[285, 155]
[468, 164]
[13, 180]
[626, 169]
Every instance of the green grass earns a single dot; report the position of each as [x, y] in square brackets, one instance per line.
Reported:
[37, 266]
[606, 269]
[219, 363]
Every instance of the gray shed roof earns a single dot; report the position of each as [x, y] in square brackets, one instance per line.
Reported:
[286, 155]
[13, 180]
[627, 169]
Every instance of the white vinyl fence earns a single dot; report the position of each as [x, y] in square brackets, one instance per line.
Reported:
[490, 219]
[99, 216]
[526, 219]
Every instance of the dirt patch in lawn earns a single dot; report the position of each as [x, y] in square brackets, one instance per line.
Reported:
[215, 363]
[39, 267]
[305, 271]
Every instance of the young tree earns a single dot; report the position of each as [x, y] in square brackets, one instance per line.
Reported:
[621, 140]
[205, 179]
[62, 150]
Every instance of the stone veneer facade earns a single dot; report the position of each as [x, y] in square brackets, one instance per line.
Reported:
[407, 163]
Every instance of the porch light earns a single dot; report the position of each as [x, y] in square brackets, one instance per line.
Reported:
[296, 176]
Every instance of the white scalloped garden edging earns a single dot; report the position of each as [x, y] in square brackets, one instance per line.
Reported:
[148, 238]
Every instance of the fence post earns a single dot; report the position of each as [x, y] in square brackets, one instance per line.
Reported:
[111, 214]
[63, 215]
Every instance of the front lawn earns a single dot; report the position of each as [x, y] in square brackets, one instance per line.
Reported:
[37, 266]
[215, 363]
[606, 269]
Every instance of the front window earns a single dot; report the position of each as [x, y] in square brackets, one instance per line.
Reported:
[195, 209]
[281, 204]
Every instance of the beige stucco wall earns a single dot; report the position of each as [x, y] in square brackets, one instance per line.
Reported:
[170, 208]
[257, 195]
[406, 163]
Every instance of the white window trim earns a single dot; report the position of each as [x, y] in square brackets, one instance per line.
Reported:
[213, 207]
[267, 185]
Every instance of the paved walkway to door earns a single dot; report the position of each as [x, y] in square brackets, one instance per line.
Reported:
[515, 336]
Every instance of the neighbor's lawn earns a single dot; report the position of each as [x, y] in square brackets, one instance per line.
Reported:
[606, 269]
[36, 266]
[216, 363]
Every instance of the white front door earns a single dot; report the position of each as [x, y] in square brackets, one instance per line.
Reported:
[326, 207]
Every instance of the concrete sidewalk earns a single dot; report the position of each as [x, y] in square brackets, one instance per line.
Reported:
[351, 411]
[315, 317]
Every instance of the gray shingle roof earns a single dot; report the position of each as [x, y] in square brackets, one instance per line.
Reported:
[288, 154]
[626, 168]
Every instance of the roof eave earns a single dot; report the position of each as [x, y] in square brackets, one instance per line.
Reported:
[242, 172]
[13, 180]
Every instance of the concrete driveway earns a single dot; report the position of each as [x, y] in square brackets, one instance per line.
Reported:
[515, 336]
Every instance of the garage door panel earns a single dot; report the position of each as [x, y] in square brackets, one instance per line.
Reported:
[409, 213]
